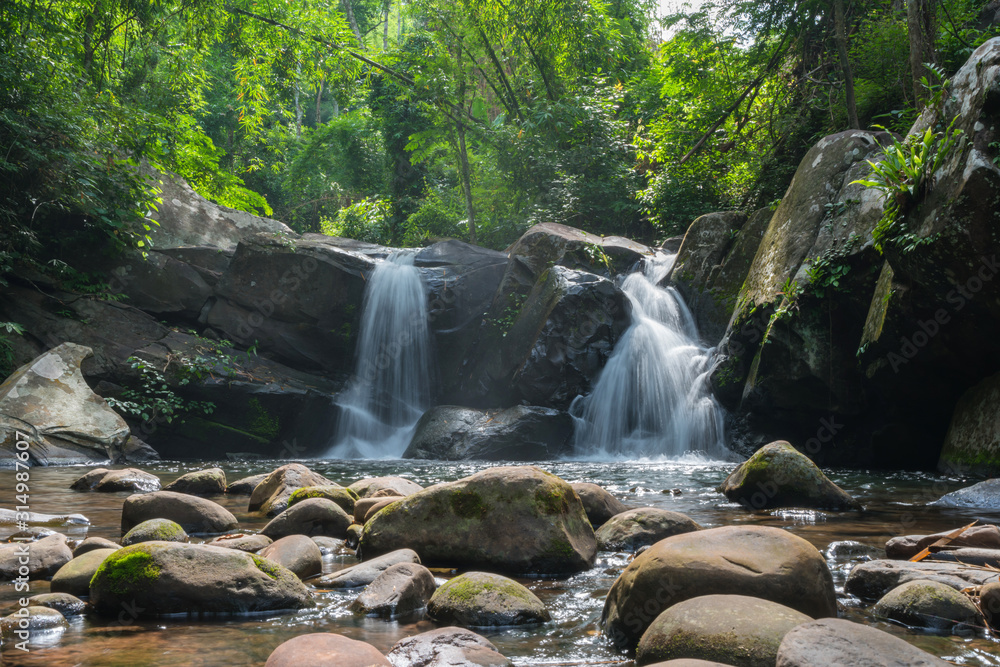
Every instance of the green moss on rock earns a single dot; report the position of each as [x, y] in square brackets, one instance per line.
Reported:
[127, 569]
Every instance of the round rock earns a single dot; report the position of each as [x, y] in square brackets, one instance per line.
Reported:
[92, 544]
[927, 604]
[481, 599]
[208, 482]
[113, 481]
[989, 603]
[338, 494]
[365, 573]
[296, 552]
[402, 589]
[446, 647]
[271, 495]
[744, 630]
[195, 515]
[325, 649]
[241, 542]
[45, 557]
[637, 528]
[368, 487]
[74, 577]
[163, 530]
[245, 485]
[757, 561]
[39, 619]
[313, 516]
[598, 503]
[64, 603]
[834, 641]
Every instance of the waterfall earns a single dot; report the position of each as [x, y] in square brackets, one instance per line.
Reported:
[391, 387]
[652, 398]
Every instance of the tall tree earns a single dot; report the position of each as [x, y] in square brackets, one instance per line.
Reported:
[920, 25]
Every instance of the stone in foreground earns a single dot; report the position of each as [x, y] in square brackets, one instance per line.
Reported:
[778, 475]
[743, 630]
[402, 589]
[834, 641]
[927, 604]
[195, 515]
[480, 599]
[757, 561]
[313, 516]
[507, 519]
[446, 647]
[160, 578]
[325, 649]
[45, 557]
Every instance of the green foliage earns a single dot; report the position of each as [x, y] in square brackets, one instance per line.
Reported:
[7, 348]
[366, 220]
[153, 399]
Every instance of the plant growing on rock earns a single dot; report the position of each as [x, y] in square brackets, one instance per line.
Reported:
[154, 399]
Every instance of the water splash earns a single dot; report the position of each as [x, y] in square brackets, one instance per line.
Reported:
[391, 387]
[652, 400]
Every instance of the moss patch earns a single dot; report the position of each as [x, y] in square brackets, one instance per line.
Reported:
[551, 500]
[267, 567]
[128, 569]
[468, 505]
[466, 590]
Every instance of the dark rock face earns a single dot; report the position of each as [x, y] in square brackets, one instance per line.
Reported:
[972, 444]
[521, 433]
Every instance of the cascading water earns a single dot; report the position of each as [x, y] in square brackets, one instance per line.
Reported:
[652, 398]
[391, 387]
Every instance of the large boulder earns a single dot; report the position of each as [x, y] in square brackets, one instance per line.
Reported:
[325, 649]
[271, 495]
[972, 444]
[480, 599]
[778, 475]
[640, 527]
[370, 487]
[209, 482]
[298, 553]
[313, 516]
[521, 433]
[446, 647]
[195, 515]
[834, 641]
[743, 630]
[982, 496]
[158, 578]
[872, 580]
[401, 589]
[927, 604]
[756, 561]
[365, 573]
[74, 577]
[510, 519]
[48, 411]
[44, 558]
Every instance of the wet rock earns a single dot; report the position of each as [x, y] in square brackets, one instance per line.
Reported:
[92, 544]
[511, 519]
[65, 604]
[984, 495]
[65, 422]
[313, 516]
[163, 530]
[401, 589]
[634, 529]
[908, 546]
[168, 578]
[271, 495]
[927, 604]
[129, 479]
[365, 573]
[778, 475]
[344, 497]
[296, 552]
[446, 647]
[10, 518]
[834, 641]
[741, 629]
[689, 662]
[480, 599]
[33, 620]
[241, 542]
[368, 487]
[852, 550]
[208, 482]
[520, 433]
[872, 580]
[989, 604]
[756, 561]
[369, 507]
[354, 535]
[599, 505]
[195, 515]
[325, 648]
[45, 557]
[246, 485]
[74, 577]
[329, 545]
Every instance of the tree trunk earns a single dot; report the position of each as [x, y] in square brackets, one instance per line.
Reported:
[840, 30]
[920, 26]
[88, 41]
[319, 99]
[298, 105]
[385, 26]
[463, 154]
[349, 13]
[399, 22]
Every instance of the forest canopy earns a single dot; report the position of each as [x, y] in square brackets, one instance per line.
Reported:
[399, 122]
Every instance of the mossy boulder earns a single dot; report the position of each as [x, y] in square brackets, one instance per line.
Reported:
[744, 630]
[159, 578]
[45, 557]
[640, 527]
[163, 530]
[481, 599]
[296, 552]
[313, 516]
[325, 648]
[195, 515]
[778, 475]
[835, 641]
[365, 573]
[598, 503]
[66, 604]
[115, 481]
[872, 580]
[241, 542]
[400, 486]
[74, 577]
[446, 647]
[210, 482]
[272, 494]
[245, 485]
[343, 496]
[509, 519]
[927, 604]
[757, 561]
[401, 589]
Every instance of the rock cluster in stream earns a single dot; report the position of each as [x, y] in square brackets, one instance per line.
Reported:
[742, 595]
